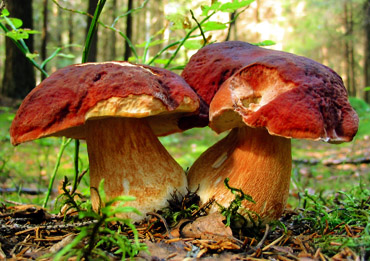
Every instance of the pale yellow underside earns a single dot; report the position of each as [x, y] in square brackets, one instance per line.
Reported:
[137, 106]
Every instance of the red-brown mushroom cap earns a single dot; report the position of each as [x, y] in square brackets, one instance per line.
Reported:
[214, 63]
[62, 103]
[289, 95]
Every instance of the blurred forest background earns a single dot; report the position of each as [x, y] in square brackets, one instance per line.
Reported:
[333, 32]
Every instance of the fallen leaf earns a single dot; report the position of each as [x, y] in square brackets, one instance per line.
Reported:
[208, 227]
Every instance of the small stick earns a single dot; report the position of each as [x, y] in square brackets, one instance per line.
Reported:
[259, 245]
[204, 206]
[171, 256]
[173, 240]
[163, 221]
[348, 230]
[273, 243]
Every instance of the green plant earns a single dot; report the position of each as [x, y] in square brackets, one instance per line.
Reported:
[181, 207]
[333, 218]
[232, 211]
[101, 235]
[70, 199]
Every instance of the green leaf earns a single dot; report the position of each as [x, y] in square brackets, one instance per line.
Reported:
[179, 21]
[4, 12]
[124, 198]
[134, 59]
[212, 26]
[233, 6]
[31, 55]
[214, 7]
[152, 43]
[20, 34]
[193, 44]
[101, 191]
[17, 23]
[67, 55]
[17, 35]
[366, 89]
[265, 43]
[161, 61]
[31, 31]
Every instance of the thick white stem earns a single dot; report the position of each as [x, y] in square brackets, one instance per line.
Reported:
[254, 161]
[129, 157]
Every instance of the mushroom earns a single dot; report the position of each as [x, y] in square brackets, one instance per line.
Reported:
[274, 97]
[120, 109]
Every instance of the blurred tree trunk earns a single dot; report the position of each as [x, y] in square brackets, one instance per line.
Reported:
[128, 51]
[232, 28]
[58, 29]
[44, 34]
[112, 34]
[92, 55]
[70, 28]
[71, 34]
[19, 74]
[367, 49]
[348, 48]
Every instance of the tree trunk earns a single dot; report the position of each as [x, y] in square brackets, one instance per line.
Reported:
[112, 39]
[128, 30]
[44, 34]
[367, 49]
[232, 27]
[19, 74]
[348, 48]
[92, 55]
[70, 31]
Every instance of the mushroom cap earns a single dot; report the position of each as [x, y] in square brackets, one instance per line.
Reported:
[289, 95]
[214, 63]
[60, 105]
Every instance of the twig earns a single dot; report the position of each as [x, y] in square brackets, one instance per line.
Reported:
[200, 28]
[24, 190]
[204, 206]
[267, 230]
[273, 243]
[79, 180]
[259, 245]
[163, 221]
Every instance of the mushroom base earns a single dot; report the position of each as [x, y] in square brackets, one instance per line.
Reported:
[132, 161]
[254, 161]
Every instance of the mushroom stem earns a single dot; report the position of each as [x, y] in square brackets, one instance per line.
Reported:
[254, 161]
[132, 161]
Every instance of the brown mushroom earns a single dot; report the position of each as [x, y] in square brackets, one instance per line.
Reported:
[120, 109]
[276, 96]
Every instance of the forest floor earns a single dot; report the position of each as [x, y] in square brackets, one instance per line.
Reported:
[323, 225]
